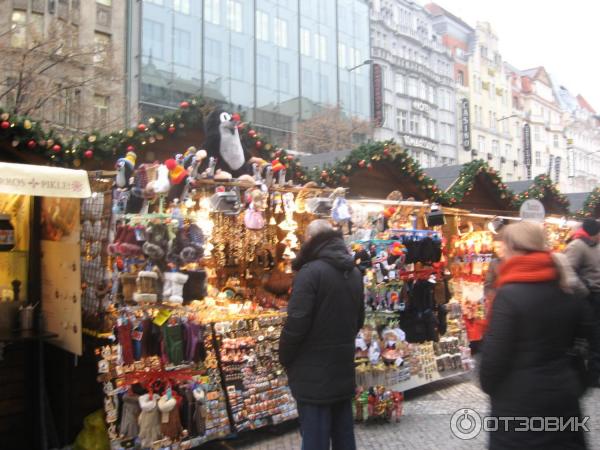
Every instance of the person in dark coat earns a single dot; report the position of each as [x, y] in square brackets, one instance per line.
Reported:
[325, 312]
[525, 364]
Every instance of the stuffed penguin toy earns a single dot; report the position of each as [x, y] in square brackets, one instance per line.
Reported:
[223, 143]
[125, 168]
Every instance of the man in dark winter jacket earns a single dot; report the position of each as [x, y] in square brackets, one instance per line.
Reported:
[325, 313]
[583, 253]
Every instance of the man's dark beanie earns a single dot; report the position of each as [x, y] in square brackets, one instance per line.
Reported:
[591, 227]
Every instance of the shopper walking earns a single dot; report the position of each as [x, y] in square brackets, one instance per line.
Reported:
[325, 313]
[525, 366]
[583, 253]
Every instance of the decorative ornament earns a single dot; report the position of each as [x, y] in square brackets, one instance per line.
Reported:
[171, 129]
[130, 148]
[370, 166]
[236, 117]
[31, 144]
[27, 124]
[362, 163]
[77, 162]
[129, 133]
[56, 148]
[15, 143]
[184, 105]
[151, 120]
[5, 125]
[141, 127]
[92, 138]
[252, 133]
[258, 144]
[5, 116]
[88, 154]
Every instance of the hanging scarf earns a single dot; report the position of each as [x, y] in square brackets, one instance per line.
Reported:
[530, 268]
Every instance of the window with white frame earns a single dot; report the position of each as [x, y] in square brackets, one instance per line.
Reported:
[432, 129]
[18, 37]
[234, 15]
[412, 87]
[495, 147]
[507, 151]
[555, 140]
[320, 47]
[481, 144]
[212, 11]
[262, 25]
[389, 120]
[430, 94]
[101, 110]
[423, 125]
[399, 83]
[538, 159]
[414, 123]
[401, 120]
[182, 6]
[102, 45]
[305, 41]
[422, 90]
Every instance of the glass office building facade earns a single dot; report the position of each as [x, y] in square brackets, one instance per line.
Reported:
[278, 61]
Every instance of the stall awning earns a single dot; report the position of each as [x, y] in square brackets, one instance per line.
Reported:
[43, 181]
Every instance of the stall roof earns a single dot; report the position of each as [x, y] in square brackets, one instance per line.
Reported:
[322, 159]
[519, 187]
[576, 201]
[43, 181]
[444, 176]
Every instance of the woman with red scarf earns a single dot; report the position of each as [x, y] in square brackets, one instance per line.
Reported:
[525, 365]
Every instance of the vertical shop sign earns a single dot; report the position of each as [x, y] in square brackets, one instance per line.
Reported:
[466, 124]
[527, 148]
[377, 95]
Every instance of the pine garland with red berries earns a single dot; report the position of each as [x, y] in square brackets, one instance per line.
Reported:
[543, 187]
[591, 204]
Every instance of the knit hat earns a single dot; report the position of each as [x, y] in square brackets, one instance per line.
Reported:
[176, 172]
[591, 226]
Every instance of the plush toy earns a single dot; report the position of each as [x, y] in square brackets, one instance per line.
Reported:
[178, 177]
[125, 168]
[253, 217]
[340, 211]
[223, 143]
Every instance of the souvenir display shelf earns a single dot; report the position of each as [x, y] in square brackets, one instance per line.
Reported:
[413, 333]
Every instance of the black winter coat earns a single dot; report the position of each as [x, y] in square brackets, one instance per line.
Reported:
[325, 313]
[525, 367]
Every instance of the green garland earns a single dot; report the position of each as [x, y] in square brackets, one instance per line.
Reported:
[466, 182]
[592, 202]
[363, 157]
[542, 187]
[27, 135]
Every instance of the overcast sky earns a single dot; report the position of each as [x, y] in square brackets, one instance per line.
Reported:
[562, 36]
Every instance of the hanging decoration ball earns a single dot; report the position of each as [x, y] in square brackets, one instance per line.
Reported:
[5, 124]
[289, 157]
[386, 151]
[252, 133]
[31, 144]
[56, 148]
[171, 129]
[151, 120]
[258, 144]
[27, 124]
[236, 117]
[362, 163]
[88, 154]
[184, 105]
[278, 153]
[130, 133]
[15, 143]
[92, 138]
[77, 162]
[4, 116]
[370, 166]
[141, 127]
[130, 148]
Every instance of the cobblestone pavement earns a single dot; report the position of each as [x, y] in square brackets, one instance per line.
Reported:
[424, 424]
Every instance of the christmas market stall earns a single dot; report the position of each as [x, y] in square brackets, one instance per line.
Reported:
[543, 189]
[585, 204]
[40, 289]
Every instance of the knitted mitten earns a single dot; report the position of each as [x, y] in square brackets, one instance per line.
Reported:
[146, 286]
[173, 287]
[149, 420]
[170, 423]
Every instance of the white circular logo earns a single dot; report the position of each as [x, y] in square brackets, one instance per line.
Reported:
[466, 424]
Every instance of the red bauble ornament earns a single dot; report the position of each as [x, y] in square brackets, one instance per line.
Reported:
[184, 105]
[89, 154]
[130, 148]
[289, 157]
[362, 163]
[370, 166]
[31, 144]
[386, 151]
[251, 133]
[56, 148]
[141, 127]
[258, 144]
[236, 117]
[171, 129]
[5, 124]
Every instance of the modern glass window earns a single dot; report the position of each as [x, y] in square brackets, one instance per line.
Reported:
[212, 11]
[183, 42]
[153, 39]
[213, 55]
[263, 67]
[280, 32]
[320, 47]
[237, 63]
[262, 26]
[284, 76]
[305, 41]
[234, 15]
[324, 88]
[307, 83]
[182, 6]
[342, 59]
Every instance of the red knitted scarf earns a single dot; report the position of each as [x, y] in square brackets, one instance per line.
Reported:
[530, 268]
